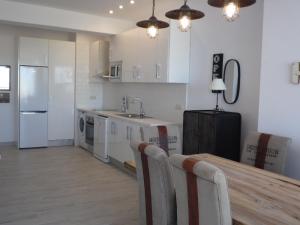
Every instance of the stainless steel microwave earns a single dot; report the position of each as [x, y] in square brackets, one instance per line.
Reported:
[116, 70]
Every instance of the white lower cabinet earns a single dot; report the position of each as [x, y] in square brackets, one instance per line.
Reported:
[121, 133]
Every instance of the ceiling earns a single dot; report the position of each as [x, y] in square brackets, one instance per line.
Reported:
[140, 10]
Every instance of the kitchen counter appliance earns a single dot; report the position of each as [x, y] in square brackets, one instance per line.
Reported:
[89, 132]
[101, 138]
[115, 70]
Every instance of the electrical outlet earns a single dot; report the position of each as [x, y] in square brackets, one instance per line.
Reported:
[93, 97]
[178, 107]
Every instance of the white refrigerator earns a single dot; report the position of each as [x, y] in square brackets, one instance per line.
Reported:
[33, 105]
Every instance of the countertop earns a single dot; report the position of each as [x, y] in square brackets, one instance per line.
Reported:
[152, 122]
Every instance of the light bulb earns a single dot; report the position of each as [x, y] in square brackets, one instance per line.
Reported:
[132, 2]
[121, 7]
[185, 23]
[231, 11]
[152, 31]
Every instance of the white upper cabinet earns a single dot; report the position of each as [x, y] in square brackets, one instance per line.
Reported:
[164, 59]
[61, 90]
[33, 51]
[99, 58]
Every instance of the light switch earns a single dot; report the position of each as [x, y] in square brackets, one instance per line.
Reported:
[296, 73]
[178, 107]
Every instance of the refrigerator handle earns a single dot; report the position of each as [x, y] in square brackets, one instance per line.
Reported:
[34, 112]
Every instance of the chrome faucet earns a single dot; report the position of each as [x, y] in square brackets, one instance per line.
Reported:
[136, 100]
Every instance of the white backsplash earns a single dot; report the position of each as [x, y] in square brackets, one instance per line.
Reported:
[163, 101]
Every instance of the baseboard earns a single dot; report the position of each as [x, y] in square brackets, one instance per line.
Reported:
[59, 143]
[122, 167]
[8, 144]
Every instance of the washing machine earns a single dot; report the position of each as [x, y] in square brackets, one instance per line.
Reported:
[81, 130]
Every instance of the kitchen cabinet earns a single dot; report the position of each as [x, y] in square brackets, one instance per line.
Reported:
[99, 58]
[121, 133]
[33, 51]
[161, 60]
[61, 90]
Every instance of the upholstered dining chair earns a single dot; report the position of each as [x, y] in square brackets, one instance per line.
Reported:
[156, 187]
[201, 192]
[265, 151]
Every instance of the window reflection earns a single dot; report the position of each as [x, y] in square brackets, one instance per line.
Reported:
[4, 78]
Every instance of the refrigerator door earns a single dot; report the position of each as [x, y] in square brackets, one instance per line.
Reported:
[33, 83]
[33, 130]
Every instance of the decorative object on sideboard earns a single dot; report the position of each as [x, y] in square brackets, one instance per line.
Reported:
[296, 73]
[185, 15]
[152, 24]
[217, 68]
[217, 85]
[231, 8]
[232, 80]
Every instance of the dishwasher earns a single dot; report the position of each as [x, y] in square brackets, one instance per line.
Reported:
[101, 138]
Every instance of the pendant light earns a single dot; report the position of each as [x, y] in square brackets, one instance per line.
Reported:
[185, 15]
[231, 8]
[152, 24]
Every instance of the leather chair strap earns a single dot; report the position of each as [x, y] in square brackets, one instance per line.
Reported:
[262, 150]
[163, 138]
[147, 185]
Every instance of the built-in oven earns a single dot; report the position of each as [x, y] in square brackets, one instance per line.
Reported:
[89, 132]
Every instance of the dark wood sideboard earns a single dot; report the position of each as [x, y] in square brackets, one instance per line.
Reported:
[214, 132]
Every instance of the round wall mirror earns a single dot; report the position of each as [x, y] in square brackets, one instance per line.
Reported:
[232, 77]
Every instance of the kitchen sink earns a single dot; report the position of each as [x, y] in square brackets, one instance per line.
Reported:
[133, 116]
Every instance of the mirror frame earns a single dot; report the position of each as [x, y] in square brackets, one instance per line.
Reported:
[238, 84]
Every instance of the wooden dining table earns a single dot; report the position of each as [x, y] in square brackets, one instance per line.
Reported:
[259, 197]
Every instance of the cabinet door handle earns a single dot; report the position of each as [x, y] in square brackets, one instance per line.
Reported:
[157, 71]
[127, 133]
[134, 72]
[130, 133]
[113, 128]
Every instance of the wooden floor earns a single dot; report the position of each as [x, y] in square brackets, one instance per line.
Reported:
[64, 186]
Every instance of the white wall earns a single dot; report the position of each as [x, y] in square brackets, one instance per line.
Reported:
[279, 99]
[9, 56]
[240, 40]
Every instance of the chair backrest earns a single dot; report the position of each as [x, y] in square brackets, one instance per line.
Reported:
[201, 192]
[156, 187]
[265, 151]
[166, 137]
